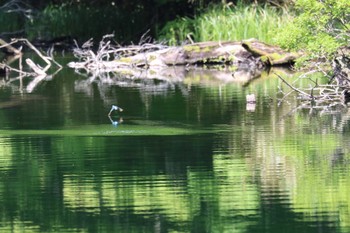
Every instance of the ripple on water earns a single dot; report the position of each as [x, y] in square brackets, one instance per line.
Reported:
[6, 153]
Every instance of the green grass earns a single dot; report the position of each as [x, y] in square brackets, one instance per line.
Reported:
[223, 23]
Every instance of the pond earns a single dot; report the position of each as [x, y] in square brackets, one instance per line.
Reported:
[184, 156]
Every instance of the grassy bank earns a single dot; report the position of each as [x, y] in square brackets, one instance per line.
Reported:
[225, 22]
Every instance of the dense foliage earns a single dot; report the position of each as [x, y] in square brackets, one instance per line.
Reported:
[320, 27]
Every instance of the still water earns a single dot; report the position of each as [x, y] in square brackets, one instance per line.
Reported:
[184, 156]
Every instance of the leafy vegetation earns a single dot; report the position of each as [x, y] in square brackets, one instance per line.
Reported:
[320, 27]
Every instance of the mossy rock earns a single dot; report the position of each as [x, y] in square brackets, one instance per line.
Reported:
[269, 54]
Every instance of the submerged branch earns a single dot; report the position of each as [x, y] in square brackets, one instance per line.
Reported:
[336, 93]
[294, 88]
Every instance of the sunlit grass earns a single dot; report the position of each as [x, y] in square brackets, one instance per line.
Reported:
[222, 23]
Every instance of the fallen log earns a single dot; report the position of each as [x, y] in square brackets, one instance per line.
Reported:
[250, 53]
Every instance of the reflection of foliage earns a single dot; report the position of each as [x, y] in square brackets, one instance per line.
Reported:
[236, 192]
[211, 180]
[324, 189]
[320, 186]
[5, 154]
[138, 193]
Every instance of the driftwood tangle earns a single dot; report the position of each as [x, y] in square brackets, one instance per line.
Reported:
[12, 51]
[28, 69]
[329, 98]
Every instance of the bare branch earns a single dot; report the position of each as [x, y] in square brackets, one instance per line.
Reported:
[9, 48]
[37, 70]
[295, 89]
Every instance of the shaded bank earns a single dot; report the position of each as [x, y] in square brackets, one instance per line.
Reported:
[85, 19]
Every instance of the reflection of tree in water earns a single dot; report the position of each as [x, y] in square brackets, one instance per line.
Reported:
[105, 81]
[161, 81]
[276, 215]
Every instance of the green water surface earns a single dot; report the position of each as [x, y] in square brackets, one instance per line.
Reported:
[181, 157]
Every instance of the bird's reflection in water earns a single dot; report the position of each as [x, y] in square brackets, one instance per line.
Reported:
[115, 122]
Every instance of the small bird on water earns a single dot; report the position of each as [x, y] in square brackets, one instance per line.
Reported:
[115, 108]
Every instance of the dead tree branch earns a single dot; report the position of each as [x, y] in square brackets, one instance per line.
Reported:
[8, 48]
[37, 70]
[325, 97]
[108, 53]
